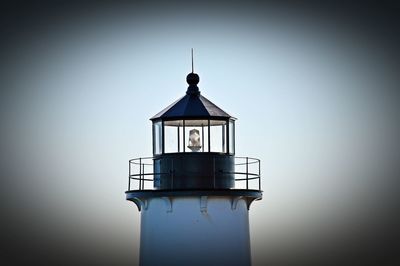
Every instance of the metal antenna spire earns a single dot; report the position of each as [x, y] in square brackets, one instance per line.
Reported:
[192, 62]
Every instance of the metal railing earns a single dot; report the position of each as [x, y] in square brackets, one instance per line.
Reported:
[247, 173]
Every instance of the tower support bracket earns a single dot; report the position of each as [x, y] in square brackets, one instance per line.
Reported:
[141, 203]
[168, 202]
[203, 203]
[235, 201]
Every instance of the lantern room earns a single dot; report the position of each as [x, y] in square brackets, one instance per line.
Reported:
[193, 124]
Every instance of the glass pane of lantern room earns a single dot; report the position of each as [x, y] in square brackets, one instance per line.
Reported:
[195, 138]
[173, 138]
[204, 129]
[231, 137]
[180, 137]
[218, 136]
[157, 138]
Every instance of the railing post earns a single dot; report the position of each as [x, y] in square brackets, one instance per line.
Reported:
[140, 173]
[247, 172]
[129, 177]
[143, 177]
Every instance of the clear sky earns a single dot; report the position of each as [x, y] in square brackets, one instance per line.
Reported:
[316, 100]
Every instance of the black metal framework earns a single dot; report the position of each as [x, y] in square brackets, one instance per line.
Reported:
[141, 171]
[227, 135]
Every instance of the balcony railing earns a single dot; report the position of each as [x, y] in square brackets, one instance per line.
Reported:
[247, 173]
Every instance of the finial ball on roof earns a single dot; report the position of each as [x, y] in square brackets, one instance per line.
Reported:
[192, 79]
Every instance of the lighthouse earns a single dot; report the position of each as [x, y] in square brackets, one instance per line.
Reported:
[194, 194]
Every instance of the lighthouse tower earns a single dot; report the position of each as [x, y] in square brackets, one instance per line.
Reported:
[194, 195]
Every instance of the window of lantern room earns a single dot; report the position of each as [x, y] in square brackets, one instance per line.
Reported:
[231, 137]
[173, 139]
[218, 136]
[195, 136]
[157, 138]
[177, 136]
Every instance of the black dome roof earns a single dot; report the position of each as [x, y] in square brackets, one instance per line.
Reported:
[192, 105]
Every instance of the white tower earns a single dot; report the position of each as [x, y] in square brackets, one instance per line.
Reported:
[194, 194]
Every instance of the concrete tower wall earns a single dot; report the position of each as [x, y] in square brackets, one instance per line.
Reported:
[195, 231]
